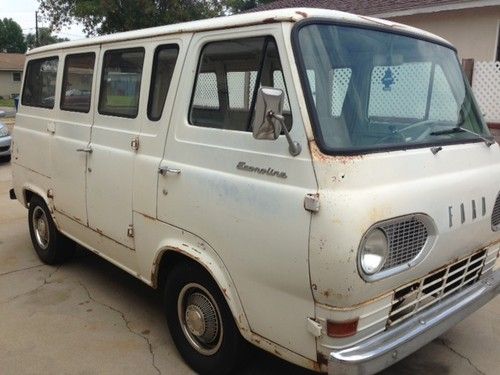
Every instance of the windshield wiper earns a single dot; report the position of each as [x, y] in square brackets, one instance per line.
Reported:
[458, 129]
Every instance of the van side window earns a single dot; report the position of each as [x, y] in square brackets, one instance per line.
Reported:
[77, 82]
[40, 83]
[121, 82]
[229, 73]
[163, 69]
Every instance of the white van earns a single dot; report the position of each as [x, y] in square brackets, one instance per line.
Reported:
[319, 184]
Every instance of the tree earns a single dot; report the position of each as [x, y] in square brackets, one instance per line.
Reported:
[45, 37]
[109, 16]
[11, 37]
[244, 5]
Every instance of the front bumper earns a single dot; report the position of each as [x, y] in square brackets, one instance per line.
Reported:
[5, 143]
[388, 347]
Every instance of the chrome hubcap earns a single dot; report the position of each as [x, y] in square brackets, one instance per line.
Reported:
[200, 319]
[41, 227]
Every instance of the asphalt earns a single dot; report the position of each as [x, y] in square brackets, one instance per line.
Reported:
[89, 317]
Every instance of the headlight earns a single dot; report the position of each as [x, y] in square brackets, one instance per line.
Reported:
[4, 132]
[373, 252]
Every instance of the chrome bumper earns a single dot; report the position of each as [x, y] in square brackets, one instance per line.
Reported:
[388, 347]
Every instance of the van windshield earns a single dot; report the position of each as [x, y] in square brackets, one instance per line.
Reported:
[370, 90]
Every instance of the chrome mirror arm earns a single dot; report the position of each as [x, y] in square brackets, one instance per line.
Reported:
[294, 147]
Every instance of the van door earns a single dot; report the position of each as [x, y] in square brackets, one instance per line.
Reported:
[74, 118]
[243, 196]
[114, 142]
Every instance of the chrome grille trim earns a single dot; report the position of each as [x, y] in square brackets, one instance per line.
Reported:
[407, 238]
[495, 216]
[410, 238]
[421, 294]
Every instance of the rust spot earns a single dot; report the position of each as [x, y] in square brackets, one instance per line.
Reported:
[257, 341]
[326, 293]
[196, 250]
[319, 156]
[99, 231]
[322, 359]
[275, 351]
[269, 20]
[224, 290]
[314, 287]
[77, 219]
[303, 14]
[147, 216]
[185, 245]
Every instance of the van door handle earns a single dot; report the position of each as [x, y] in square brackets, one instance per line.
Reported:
[166, 170]
[88, 150]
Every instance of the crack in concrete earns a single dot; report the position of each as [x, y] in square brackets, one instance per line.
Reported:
[45, 282]
[127, 325]
[22, 269]
[446, 345]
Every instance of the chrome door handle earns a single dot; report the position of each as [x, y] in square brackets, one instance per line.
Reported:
[165, 170]
[88, 150]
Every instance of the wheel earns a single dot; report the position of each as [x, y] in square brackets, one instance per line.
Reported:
[200, 322]
[51, 246]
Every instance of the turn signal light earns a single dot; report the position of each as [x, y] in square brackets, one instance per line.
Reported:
[342, 329]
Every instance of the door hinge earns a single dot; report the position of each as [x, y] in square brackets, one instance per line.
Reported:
[311, 202]
[314, 327]
[130, 231]
[134, 143]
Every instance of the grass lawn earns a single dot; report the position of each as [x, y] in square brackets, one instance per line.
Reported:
[6, 102]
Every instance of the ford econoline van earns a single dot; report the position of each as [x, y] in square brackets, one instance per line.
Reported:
[319, 184]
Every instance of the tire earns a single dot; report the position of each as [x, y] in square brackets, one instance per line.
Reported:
[51, 246]
[208, 341]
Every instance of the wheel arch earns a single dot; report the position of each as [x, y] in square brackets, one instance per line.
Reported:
[171, 255]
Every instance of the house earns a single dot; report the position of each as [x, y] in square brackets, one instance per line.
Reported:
[473, 26]
[11, 70]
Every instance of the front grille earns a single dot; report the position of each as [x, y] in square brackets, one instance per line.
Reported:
[406, 239]
[421, 294]
[495, 217]
[4, 148]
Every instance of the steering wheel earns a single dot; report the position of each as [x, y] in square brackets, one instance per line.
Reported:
[417, 124]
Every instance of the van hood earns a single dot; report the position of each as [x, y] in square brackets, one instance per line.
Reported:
[357, 192]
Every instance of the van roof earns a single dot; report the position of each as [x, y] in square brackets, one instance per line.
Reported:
[246, 19]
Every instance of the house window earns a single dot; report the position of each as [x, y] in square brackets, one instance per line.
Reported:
[16, 76]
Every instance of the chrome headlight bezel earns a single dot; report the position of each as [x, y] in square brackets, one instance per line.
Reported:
[386, 271]
[375, 244]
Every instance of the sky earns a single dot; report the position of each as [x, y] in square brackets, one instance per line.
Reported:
[23, 12]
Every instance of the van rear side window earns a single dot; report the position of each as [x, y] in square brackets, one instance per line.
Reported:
[121, 82]
[77, 82]
[40, 83]
[163, 69]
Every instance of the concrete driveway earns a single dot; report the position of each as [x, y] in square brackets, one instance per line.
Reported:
[89, 317]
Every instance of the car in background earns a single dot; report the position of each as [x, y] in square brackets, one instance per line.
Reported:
[5, 142]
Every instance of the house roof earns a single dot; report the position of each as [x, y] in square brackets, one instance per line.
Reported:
[381, 8]
[239, 20]
[12, 61]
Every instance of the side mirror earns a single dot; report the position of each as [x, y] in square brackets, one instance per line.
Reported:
[268, 121]
[264, 126]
